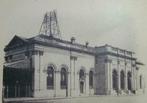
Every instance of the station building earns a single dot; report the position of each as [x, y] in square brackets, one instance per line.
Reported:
[49, 66]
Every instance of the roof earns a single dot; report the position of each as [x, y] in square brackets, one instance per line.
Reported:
[51, 42]
[139, 63]
[15, 42]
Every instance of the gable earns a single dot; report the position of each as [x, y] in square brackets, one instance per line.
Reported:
[16, 42]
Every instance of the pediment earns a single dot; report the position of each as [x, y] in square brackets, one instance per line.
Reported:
[16, 41]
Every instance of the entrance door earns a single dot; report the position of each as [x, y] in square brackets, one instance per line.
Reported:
[82, 87]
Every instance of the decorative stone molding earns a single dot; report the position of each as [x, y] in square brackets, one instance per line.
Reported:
[64, 66]
[108, 60]
[37, 52]
[50, 64]
[73, 58]
[57, 71]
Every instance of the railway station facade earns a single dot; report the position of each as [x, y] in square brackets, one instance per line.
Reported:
[48, 66]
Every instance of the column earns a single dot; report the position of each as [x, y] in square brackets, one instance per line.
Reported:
[68, 83]
[73, 60]
[36, 76]
[126, 79]
[71, 76]
[57, 83]
[87, 84]
[108, 76]
[133, 77]
[137, 87]
[118, 67]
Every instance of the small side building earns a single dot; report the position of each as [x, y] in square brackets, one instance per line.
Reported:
[117, 72]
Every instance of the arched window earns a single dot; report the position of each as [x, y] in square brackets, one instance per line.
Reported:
[140, 81]
[63, 78]
[91, 79]
[122, 79]
[115, 80]
[82, 74]
[129, 76]
[50, 77]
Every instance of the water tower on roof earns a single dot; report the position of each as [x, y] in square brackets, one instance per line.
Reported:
[50, 25]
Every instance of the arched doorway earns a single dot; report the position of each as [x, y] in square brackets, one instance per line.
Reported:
[91, 79]
[64, 80]
[115, 80]
[122, 79]
[50, 77]
[81, 87]
[82, 80]
[129, 76]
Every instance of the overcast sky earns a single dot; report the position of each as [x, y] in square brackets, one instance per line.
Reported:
[121, 23]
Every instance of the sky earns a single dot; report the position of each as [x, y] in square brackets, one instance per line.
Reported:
[121, 23]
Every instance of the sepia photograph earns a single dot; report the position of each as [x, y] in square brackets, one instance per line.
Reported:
[73, 51]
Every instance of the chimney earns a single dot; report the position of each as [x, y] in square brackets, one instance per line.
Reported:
[72, 40]
[87, 43]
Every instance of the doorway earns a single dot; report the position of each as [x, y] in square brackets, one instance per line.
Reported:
[81, 87]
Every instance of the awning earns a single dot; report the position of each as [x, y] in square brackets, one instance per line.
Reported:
[18, 64]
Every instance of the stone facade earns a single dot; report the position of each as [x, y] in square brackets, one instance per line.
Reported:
[104, 70]
[110, 59]
[48, 66]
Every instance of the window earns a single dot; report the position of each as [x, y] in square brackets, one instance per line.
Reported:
[115, 80]
[82, 74]
[50, 78]
[91, 79]
[63, 78]
[122, 80]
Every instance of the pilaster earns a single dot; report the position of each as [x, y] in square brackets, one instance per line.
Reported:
[57, 83]
[118, 67]
[108, 76]
[87, 84]
[36, 64]
[126, 80]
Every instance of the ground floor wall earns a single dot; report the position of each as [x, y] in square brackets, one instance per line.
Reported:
[77, 66]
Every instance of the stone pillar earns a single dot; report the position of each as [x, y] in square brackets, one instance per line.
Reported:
[118, 67]
[78, 84]
[36, 66]
[137, 87]
[108, 75]
[133, 78]
[126, 79]
[73, 60]
[68, 83]
[87, 84]
[71, 76]
[56, 83]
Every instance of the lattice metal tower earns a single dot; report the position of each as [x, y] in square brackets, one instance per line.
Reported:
[50, 25]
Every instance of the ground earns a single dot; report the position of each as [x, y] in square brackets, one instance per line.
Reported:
[94, 99]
